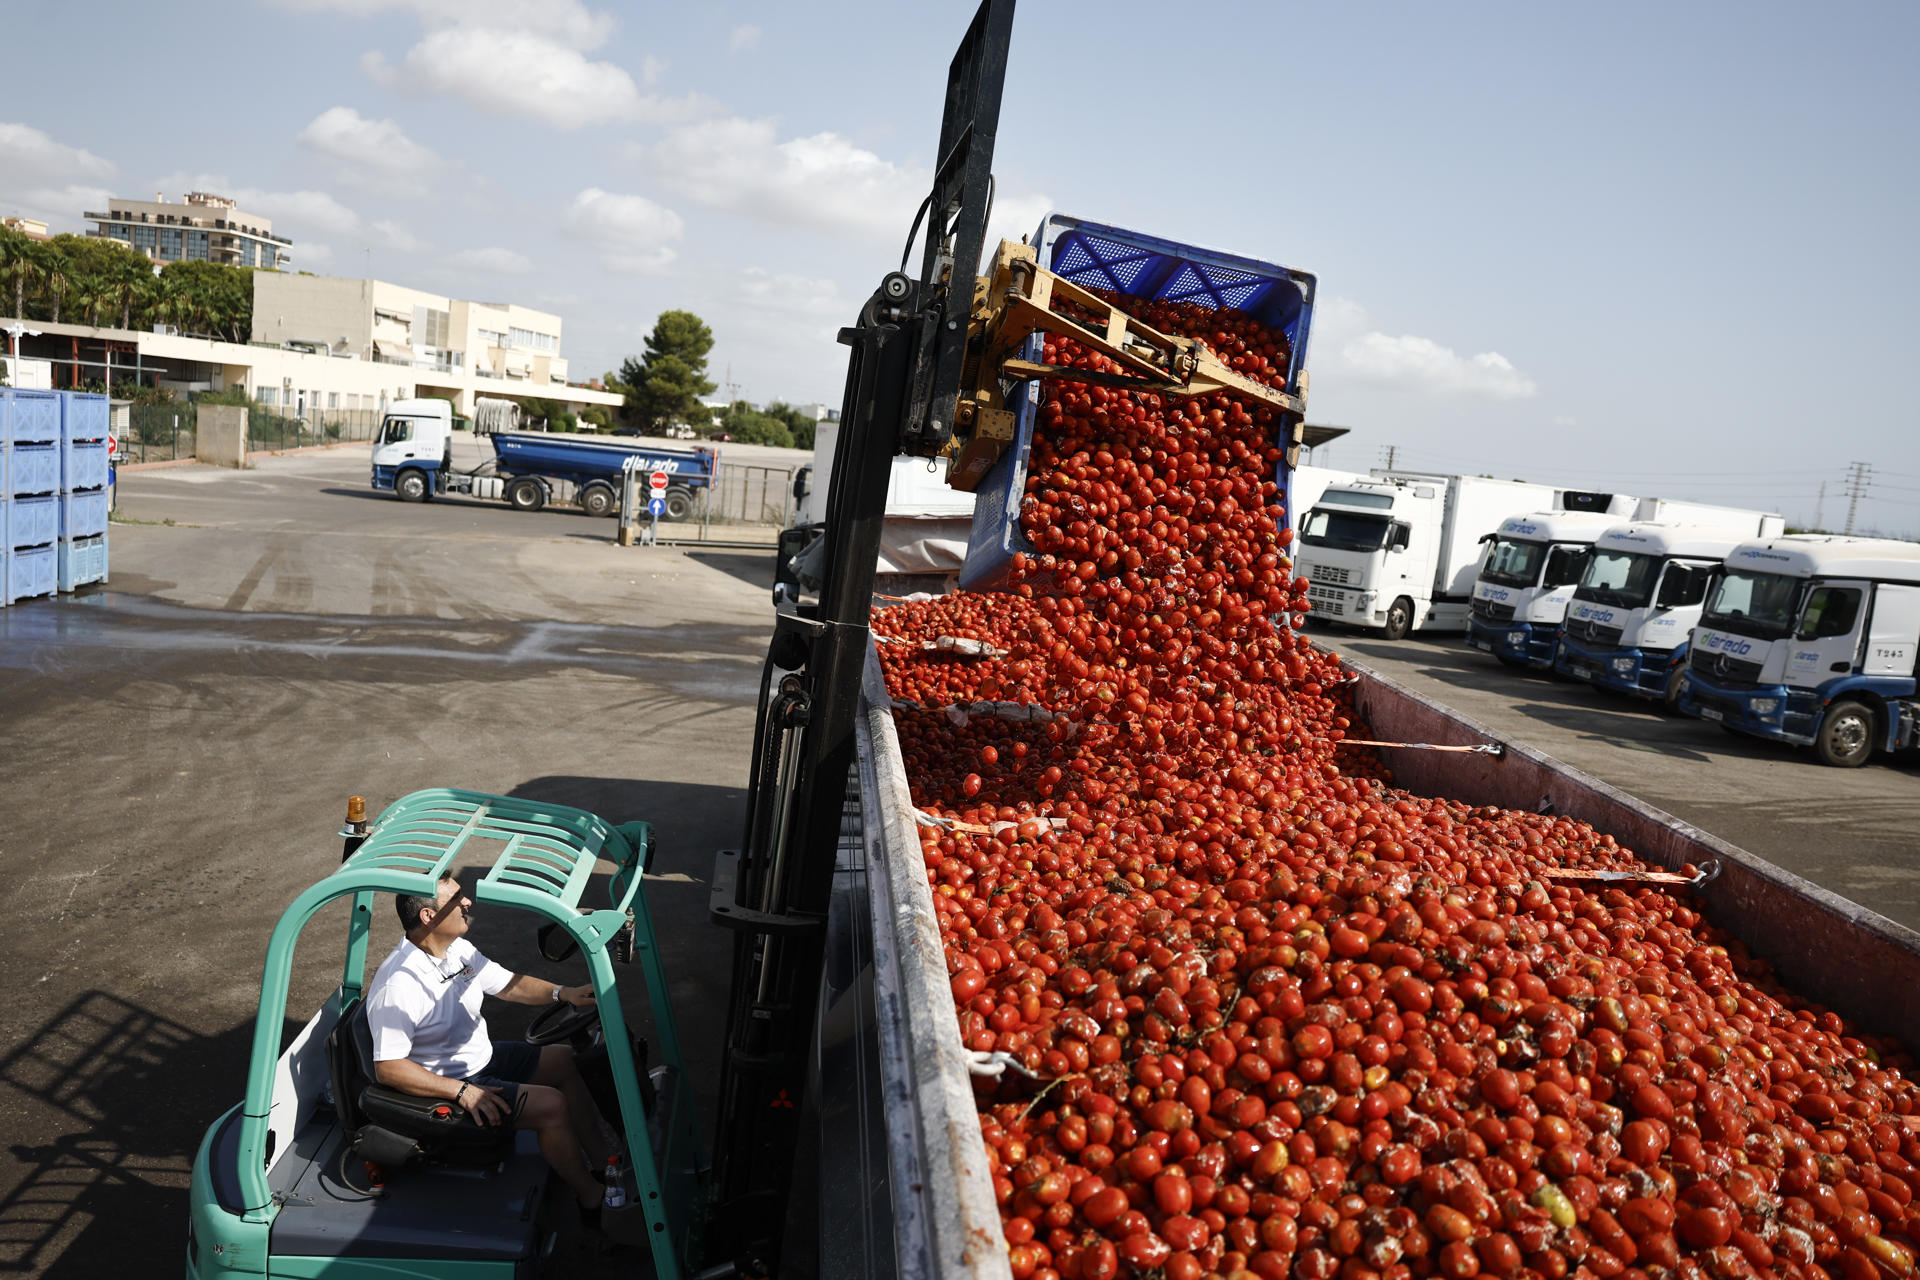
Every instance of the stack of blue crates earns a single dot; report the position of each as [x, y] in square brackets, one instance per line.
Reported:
[53, 496]
[85, 425]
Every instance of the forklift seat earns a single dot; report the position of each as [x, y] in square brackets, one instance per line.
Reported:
[394, 1129]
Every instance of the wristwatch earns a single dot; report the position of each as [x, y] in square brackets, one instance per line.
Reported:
[556, 993]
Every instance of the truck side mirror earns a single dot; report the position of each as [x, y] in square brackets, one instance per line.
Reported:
[803, 482]
[1397, 540]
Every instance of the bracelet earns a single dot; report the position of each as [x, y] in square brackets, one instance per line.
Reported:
[457, 1098]
[555, 999]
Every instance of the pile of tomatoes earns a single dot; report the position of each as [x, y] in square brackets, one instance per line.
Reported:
[1278, 1018]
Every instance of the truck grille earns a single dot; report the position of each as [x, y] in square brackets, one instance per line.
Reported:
[1327, 601]
[1728, 673]
[1329, 573]
[1583, 631]
[1489, 611]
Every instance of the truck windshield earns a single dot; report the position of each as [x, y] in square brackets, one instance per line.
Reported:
[1623, 578]
[1346, 530]
[1512, 562]
[396, 430]
[1753, 604]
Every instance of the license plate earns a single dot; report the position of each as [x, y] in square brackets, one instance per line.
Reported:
[1708, 713]
[1585, 673]
[1483, 644]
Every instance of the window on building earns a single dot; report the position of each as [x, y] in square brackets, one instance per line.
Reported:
[431, 328]
[531, 341]
[492, 338]
[197, 244]
[333, 399]
[144, 237]
[268, 395]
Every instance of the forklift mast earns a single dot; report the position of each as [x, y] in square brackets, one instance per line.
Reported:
[909, 349]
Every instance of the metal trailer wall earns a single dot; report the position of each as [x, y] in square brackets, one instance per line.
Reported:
[1862, 965]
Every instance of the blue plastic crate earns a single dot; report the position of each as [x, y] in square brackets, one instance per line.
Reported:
[81, 561]
[83, 464]
[1096, 256]
[33, 522]
[35, 417]
[32, 572]
[84, 416]
[6, 433]
[82, 515]
[33, 468]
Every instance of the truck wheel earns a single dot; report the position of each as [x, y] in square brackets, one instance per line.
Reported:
[411, 485]
[1670, 696]
[1399, 619]
[1845, 738]
[598, 500]
[679, 504]
[526, 495]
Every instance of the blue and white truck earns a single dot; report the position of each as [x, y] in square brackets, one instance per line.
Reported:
[1634, 610]
[1814, 640]
[1532, 564]
[413, 460]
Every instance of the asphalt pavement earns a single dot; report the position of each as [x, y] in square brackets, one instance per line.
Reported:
[1853, 831]
[177, 748]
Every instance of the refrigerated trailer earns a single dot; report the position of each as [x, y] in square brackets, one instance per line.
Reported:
[1814, 640]
[1397, 552]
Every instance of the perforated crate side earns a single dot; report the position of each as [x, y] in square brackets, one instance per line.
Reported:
[83, 464]
[84, 416]
[33, 468]
[82, 515]
[32, 572]
[36, 417]
[33, 522]
[81, 561]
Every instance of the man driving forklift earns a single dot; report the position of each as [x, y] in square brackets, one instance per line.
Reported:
[430, 1040]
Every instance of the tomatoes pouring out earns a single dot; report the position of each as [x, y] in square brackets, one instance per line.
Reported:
[1300, 1023]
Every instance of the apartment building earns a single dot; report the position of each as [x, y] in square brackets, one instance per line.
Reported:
[203, 227]
[495, 348]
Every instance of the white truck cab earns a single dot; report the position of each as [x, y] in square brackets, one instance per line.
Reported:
[414, 450]
[1527, 579]
[1635, 608]
[1814, 640]
[1397, 552]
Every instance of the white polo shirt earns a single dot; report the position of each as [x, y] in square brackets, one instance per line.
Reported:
[428, 1010]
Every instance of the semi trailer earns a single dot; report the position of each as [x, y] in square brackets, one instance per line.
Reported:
[413, 460]
[1813, 640]
[1632, 616]
[849, 1140]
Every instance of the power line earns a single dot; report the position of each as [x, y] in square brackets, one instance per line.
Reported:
[1859, 476]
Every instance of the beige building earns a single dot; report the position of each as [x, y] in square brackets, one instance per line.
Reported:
[468, 348]
[204, 227]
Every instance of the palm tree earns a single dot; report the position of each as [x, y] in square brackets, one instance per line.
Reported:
[57, 273]
[133, 282]
[19, 265]
[90, 295]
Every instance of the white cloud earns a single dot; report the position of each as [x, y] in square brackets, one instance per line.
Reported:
[28, 154]
[632, 233]
[1350, 349]
[509, 72]
[566, 21]
[823, 181]
[392, 235]
[491, 261]
[373, 153]
[745, 36]
[311, 255]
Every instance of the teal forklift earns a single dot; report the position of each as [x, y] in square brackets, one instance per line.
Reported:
[322, 1171]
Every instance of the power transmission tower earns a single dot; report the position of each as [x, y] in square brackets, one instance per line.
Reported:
[1819, 505]
[1390, 450]
[1859, 475]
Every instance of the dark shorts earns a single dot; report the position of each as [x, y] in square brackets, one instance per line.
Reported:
[512, 1065]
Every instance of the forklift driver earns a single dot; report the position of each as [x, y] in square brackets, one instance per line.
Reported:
[430, 1040]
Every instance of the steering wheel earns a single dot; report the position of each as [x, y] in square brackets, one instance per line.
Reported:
[561, 1023]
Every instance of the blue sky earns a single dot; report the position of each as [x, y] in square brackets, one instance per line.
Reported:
[1660, 248]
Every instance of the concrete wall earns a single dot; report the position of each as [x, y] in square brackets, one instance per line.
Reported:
[294, 308]
[1859, 963]
[220, 435]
